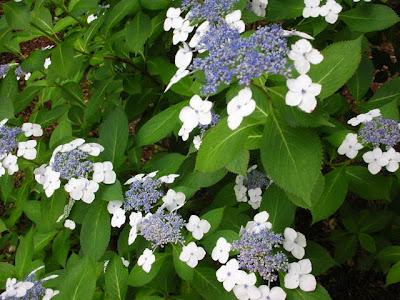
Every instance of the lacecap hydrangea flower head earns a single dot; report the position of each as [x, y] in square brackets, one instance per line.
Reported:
[259, 253]
[249, 188]
[29, 288]
[152, 209]
[213, 28]
[377, 133]
[73, 165]
[14, 145]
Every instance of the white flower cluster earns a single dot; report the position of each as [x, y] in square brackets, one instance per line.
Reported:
[191, 253]
[242, 105]
[299, 275]
[199, 111]
[81, 188]
[28, 288]
[295, 242]
[376, 158]
[250, 195]
[243, 284]
[302, 91]
[26, 149]
[171, 201]
[330, 10]
[258, 7]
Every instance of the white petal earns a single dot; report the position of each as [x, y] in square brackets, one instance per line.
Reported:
[308, 283]
[293, 98]
[291, 281]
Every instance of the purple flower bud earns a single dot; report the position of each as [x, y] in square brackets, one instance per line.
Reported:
[231, 56]
[143, 194]
[381, 131]
[256, 253]
[8, 139]
[162, 228]
[72, 164]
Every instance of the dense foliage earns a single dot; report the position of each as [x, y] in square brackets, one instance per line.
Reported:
[199, 149]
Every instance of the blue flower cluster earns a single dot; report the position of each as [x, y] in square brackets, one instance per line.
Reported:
[256, 179]
[36, 292]
[256, 253]
[72, 164]
[210, 10]
[162, 228]
[19, 72]
[143, 194]
[8, 139]
[231, 56]
[4, 69]
[381, 131]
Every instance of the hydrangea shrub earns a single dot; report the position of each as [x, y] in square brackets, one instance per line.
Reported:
[197, 149]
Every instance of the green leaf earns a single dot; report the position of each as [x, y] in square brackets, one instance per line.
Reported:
[367, 242]
[360, 82]
[160, 125]
[80, 281]
[62, 63]
[6, 271]
[199, 180]
[63, 131]
[240, 164]
[155, 4]
[292, 9]
[96, 101]
[333, 195]
[370, 17]
[138, 277]
[319, 294]
[182, 269]
[366, 185]
[370, 221]
[82, 6]
[116, 279]
[292, 157]
[8, 93]
[345, 247]
[96, 230]
[3, 226]
[114, 137]
[120, 11]
[24, 255]
[206, 284]
[165, 163]
[214, 217]
[32, 210]
[17, 15]
[221, 144]
[50, 209]
[60, 247]
[42, 239]
[340, 62]
[41, 18]
[320, 258]
[393, 276]
[387, 93]
[110, 192]
[389, 254]
[277, 204]
[137, 32]
[25, 98]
